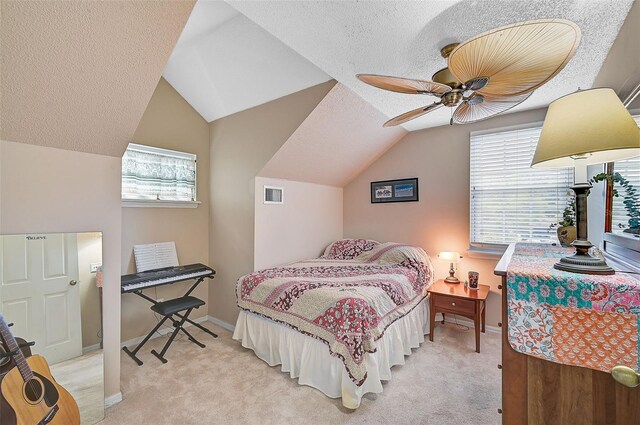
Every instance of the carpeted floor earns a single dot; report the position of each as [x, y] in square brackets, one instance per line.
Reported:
[443, 382]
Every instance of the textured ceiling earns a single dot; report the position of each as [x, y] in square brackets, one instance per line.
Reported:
[340, 138]
[78, 75]
[225, 63]
[404, 38]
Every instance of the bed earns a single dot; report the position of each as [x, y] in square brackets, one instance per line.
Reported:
[338, 323]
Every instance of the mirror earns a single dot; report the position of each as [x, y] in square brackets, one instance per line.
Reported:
[50, 289]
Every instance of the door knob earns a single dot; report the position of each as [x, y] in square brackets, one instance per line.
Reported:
[626, 376]
[73, 282]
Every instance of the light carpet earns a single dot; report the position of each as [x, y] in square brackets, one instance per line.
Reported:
[443, 382]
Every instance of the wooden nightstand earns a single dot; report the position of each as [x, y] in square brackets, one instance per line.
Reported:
[455, 298]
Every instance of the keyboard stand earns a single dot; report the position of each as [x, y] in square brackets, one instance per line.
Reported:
[178, 321]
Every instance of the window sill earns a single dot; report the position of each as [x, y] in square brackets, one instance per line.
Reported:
[152, 203]
[486, 253]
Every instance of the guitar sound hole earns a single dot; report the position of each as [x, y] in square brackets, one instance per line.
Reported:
[33, 390]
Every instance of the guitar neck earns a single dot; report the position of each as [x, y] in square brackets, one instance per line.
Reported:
[12, 346]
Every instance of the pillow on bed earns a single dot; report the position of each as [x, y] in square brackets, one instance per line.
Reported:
[348, 249]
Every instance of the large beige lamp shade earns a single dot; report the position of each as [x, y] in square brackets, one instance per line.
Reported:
[592, 124]
[583, 128]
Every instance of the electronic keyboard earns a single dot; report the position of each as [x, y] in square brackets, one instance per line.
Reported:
[165, 276]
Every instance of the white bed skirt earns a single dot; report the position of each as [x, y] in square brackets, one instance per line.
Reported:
[308, 359]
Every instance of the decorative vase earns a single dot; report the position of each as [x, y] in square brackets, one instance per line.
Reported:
[566, 235]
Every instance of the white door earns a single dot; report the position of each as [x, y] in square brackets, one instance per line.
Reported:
[39, 292]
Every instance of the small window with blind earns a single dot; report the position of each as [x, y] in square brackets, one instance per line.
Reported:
[510, 201]
[158, 177]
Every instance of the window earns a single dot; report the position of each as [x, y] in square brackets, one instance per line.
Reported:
[152, 174]
[510, 201]
[630, 170]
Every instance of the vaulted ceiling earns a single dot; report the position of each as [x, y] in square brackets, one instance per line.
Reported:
[78, 75]
[225, 61]
[340, 138]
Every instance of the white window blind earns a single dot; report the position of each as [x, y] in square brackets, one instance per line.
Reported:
[630, 170]
[510, 201]
[150, 173]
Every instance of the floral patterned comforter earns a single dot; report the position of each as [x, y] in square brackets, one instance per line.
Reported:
[576, 319]
[347, 304]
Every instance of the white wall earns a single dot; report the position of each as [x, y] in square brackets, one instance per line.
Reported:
[309, 219]
[48, 190]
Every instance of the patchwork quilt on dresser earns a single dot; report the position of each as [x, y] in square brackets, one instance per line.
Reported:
[576, 319]
[348, 304]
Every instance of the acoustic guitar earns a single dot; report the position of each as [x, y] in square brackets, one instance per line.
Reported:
[7, 415]
[7, 363]
[30, 390]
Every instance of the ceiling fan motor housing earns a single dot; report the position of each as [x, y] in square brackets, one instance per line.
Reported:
[452, 98]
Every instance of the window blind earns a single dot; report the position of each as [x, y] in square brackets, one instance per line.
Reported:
[630, 170]
[510, 201]
[150, 173]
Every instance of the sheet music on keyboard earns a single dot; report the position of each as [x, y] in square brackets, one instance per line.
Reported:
[155, 256]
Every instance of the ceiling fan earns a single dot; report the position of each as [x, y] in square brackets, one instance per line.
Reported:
[492, 72]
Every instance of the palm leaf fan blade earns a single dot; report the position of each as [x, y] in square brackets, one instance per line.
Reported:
[404, 85]
[518, 58]
[408, 116]
[467, 112]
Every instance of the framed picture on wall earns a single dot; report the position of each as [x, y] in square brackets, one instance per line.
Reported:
[403, 190]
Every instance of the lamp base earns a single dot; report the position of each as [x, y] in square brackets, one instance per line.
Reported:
[452, 279]
[581, 261]
[584, 264]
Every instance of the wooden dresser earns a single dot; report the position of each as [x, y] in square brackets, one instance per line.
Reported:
[540, 392]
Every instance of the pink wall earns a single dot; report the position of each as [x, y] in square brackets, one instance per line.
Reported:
[439, 157]
[309, 219]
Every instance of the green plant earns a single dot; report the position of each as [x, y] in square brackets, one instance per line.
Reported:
[631, 199]
[568, 215]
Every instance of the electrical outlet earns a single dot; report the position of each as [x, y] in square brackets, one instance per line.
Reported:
[93, 267]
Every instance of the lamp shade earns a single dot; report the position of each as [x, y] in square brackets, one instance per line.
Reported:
[592, 125]
[449, 256]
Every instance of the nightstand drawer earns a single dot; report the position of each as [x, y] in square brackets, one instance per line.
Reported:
[454, 303]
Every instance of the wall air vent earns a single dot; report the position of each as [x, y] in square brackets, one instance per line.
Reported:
[273, 195]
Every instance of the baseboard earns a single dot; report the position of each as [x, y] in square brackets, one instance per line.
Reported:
[91, 348]
[466, 322]
[222, 324]
[159, 333]
[112, 400]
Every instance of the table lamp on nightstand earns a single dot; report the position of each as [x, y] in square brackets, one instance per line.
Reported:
[583, 128]
[451, 257]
